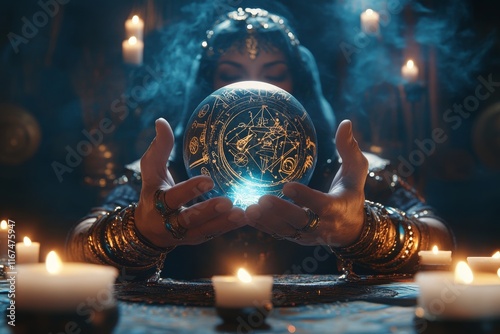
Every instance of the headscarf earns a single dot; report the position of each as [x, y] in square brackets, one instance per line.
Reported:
[254, 29]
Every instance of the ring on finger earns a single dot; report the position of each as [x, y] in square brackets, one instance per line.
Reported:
[172, 225]
[312, 221]
[161, 206]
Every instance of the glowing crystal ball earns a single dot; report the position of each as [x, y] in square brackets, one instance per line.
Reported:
[251, 138]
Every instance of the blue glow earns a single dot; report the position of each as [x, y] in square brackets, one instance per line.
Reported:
[246, 195]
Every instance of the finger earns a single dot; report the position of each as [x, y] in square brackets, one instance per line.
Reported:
[275, 215]
[254, 214]
[199, 213]
[154, 161]
[183, 192]
[216, 226]
[307, 197]
[354, 164]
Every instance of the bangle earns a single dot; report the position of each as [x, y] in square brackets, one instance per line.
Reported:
[114, 240]
[389, 241]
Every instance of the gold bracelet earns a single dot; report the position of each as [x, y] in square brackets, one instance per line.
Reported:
[114, 240]
[389, 241]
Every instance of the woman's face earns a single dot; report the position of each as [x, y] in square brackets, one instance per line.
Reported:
[269, 66]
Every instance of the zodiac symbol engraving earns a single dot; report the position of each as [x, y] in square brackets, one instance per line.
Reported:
[259, 137]
[203, 110]
[194, 144]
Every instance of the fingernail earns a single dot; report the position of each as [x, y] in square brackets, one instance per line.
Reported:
[223, 206]
[205, 186]
[266, 204]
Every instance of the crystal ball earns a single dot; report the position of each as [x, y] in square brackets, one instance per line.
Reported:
[251, 138]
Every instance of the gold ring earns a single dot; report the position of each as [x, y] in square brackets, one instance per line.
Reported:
[163, 209]
[172, 225]
[312, 222]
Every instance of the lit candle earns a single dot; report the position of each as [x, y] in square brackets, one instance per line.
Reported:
[134, 27]
[435, 257]
[459, 295]
[488, 264]
[243, 298]
[4, 237]
[54, 286]
[409, 71]
[370, 22]
[242, 290]
[27, 251]
[132, 51]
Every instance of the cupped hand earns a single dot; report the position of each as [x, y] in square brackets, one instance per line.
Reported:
[340, 210]
[202, 221]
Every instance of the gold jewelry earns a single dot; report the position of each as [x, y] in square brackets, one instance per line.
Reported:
[255, 21]
[312, 222]
[170, 216]
[113, 239]
[252, 46]
[161, 206]
[389, 241]
[172, 225]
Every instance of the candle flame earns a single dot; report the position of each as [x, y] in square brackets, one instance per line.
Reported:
[463, 273]
[135, 19]
[496, 255]
[435, 249]
[132, 40]
[53, 263]
[27, 241]
[410, 64]
[3, 225]
[244, 276]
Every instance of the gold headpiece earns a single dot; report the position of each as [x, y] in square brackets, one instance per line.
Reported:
[252, 46]
[254, 21]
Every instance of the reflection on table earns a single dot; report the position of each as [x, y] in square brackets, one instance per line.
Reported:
[302, 304]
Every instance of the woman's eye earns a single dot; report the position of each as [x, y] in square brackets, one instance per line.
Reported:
[277, 73]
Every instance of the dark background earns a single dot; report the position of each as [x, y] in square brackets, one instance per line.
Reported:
[66, 77]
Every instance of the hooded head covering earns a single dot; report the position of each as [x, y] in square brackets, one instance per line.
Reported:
[251, 30]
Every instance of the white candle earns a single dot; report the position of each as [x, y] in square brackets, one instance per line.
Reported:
[57, 286]
[409, 71]
[27, 251]
[132, 51]
[459, 295]
[488, 264]
[435, 257]
[370, 22]
[4, 237]
[242, 290]
[134, 27]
